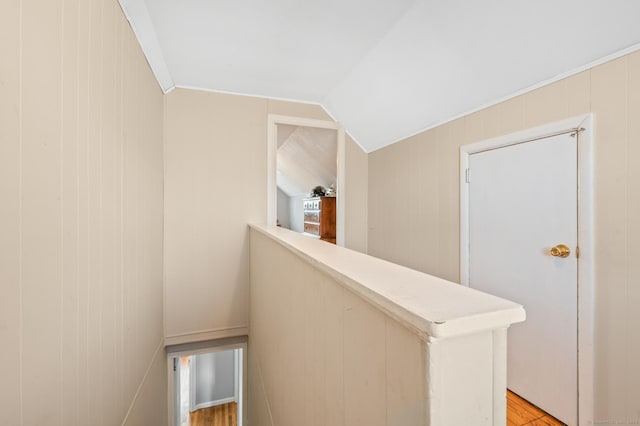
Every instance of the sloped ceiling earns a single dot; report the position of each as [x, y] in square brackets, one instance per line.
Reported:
[306, 158]
[385, 69]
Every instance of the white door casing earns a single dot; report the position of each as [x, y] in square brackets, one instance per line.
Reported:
[207, 347]
[272, 150]
[528, 193]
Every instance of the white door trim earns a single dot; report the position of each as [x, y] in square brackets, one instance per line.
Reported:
[272, 151]
[585, 237]
[241, 388]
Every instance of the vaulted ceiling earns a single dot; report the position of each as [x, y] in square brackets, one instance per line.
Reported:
[306, 158]
[384, 69]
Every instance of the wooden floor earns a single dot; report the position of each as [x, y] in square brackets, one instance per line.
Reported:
[221, 415]
[521, 412]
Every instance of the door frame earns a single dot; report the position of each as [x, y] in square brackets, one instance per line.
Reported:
[585, 235]
[204, 347]
[272, 153]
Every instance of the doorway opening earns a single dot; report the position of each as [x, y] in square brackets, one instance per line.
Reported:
[526, 212]
[305, 181]
[306, 178]
[207, 383]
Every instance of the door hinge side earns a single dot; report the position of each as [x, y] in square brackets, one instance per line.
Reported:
[467, 176]
[175, 361]
[576, 132]
[577, 252]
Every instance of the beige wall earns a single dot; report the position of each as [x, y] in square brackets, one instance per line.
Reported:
[414, 206]
[215, 168]
[321, 355]
[215, 183]
[80, 216]
[357, 178]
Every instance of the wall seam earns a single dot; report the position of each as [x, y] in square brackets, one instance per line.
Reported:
[627, 245]
[20, 211]
[343, 326]
[122, 202]
[386, 369]
[61, 211]
[77, 412]
[164, 225]
[88, 201]
[142, 382]
[101, 73]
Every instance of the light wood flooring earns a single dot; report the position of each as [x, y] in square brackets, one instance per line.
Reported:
[520, 412]
[220, 415]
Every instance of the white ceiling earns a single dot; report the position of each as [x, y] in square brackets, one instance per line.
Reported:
[385, 69]
[307, 157]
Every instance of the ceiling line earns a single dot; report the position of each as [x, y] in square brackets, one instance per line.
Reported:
[150, 43]
[608, 58]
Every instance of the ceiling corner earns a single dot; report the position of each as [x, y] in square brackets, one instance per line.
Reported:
[138, 16]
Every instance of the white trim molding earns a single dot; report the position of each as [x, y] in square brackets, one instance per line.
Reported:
[585, 238]
[272, 151]
[204, 335]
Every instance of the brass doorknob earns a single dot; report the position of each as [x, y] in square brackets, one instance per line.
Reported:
[560, 251]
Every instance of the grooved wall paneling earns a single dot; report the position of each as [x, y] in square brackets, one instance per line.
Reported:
[215, 183]
[80, 218]
[321, 355]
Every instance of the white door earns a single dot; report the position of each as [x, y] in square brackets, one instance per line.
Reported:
[522, 203]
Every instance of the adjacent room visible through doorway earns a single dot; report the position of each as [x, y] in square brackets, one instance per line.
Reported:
[207, 386]
[306, 178]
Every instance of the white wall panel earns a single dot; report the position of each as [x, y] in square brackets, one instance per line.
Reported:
[81, 218]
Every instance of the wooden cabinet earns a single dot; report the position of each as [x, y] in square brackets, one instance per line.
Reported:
[320, 218]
